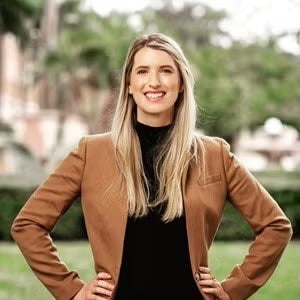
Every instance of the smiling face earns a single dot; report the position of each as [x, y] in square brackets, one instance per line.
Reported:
[155, 83]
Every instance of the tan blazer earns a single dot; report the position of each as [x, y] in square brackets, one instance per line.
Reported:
[90, 171]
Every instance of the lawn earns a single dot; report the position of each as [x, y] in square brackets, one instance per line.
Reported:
[18, 282]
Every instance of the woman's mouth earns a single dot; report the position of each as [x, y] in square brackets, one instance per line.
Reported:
[154, 96]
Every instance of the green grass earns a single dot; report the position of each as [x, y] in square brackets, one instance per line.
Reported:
[285, 281]
[18, 282]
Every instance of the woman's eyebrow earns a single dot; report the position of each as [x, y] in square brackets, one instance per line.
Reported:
[146, 67]
[167, 66]
[141, 67]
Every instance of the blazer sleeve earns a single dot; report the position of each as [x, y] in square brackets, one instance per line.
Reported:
[32, 226]
[271, 227]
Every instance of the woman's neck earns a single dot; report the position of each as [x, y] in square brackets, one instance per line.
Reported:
[155, 122]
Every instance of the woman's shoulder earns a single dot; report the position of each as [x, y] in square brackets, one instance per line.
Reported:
[98, 138]
[97, 142]
[212, 150]
[210, 142]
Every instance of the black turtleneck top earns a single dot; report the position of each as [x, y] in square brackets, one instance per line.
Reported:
[155, 263]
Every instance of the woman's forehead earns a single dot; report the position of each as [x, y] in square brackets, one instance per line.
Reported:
[149, 57]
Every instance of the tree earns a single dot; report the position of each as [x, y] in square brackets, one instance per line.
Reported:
[88, 59]
[194, 25]
[242, 86]
[21, 18]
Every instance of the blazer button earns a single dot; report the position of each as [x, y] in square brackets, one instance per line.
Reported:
[197, 276]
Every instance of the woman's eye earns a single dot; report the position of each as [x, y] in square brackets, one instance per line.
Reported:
[166, 70]
[141, 71]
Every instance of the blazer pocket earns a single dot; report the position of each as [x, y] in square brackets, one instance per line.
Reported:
[209, 179]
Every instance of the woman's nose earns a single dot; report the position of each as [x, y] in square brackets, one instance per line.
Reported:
[154, 80]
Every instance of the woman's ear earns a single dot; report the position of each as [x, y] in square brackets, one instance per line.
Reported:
[181, 88]
[129, 90]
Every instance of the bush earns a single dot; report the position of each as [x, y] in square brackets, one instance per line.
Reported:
[233, 226]
[11, 201]
[71, 225]
[289, 201]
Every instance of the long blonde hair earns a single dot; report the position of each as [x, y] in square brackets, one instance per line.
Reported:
[179, 147]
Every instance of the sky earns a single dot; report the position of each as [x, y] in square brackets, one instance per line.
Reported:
[247, 19]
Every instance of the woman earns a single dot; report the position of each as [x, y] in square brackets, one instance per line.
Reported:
[152, 194]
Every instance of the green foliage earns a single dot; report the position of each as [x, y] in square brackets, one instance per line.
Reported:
[11, 201]
[240, 87]
[236, 87]
[71, 225]
[6, 128]
[94, 43]
[284, 187]
[234, 227]
[289, 202]
[16, 14]
[88, 59]
[194, 26]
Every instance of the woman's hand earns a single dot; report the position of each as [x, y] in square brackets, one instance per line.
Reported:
[97, 289]
[210, 285]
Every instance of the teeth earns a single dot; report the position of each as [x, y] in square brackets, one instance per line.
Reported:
[154, 95]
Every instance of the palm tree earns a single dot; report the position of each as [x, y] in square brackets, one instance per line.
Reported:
[19, 17]
[87, 62]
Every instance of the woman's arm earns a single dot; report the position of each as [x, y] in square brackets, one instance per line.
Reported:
[31, 228]
[271, 227]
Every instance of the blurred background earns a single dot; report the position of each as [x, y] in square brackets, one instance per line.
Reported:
[61, 60]
[60, 65]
